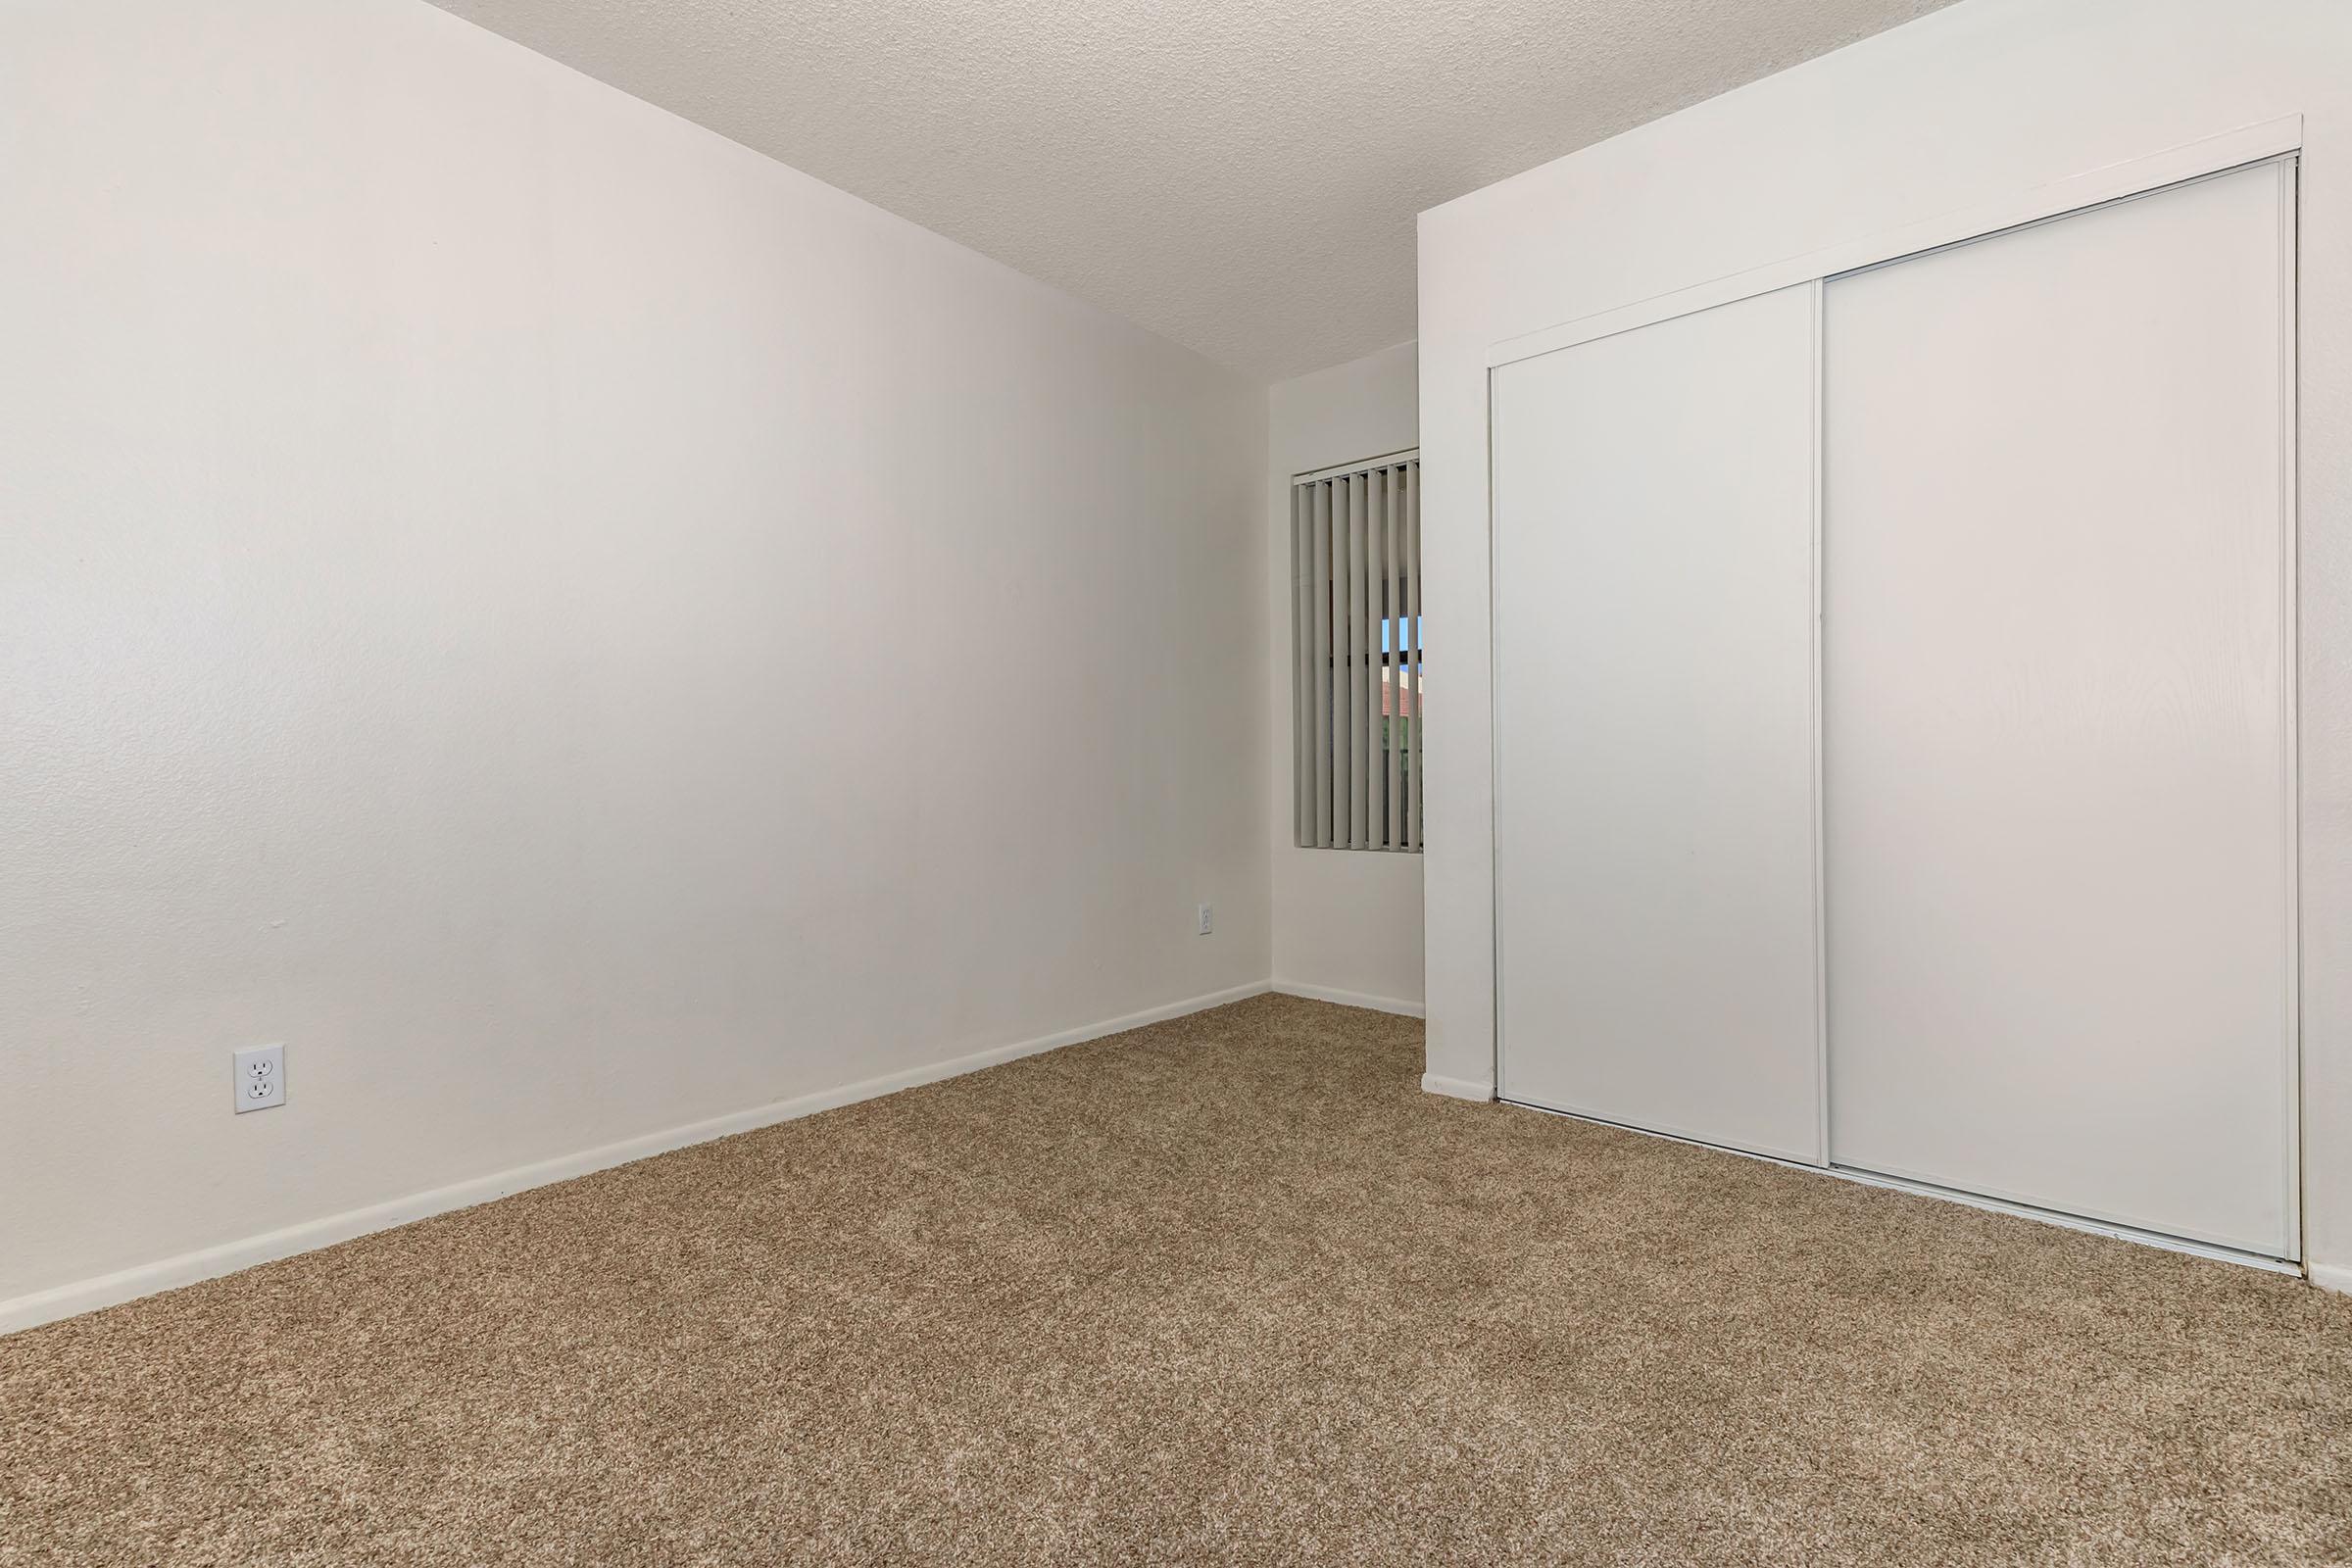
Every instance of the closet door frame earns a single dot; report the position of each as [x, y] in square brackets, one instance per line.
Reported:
[2277, 141]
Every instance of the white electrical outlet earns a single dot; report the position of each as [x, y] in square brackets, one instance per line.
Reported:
[1208, 919]
[260, 1078]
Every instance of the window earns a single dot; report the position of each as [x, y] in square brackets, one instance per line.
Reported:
[1355, 646]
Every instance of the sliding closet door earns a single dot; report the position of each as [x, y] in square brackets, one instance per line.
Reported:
[1655, 584]
[2058, 715]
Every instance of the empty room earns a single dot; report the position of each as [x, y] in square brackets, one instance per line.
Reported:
[718, 844]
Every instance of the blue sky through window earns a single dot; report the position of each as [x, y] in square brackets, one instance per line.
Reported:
[1401, 631]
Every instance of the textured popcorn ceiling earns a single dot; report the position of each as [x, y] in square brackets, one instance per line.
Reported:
[1239, 177]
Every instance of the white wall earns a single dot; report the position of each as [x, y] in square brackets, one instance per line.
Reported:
[1347, 922]
[1974, 104]
[569, 625]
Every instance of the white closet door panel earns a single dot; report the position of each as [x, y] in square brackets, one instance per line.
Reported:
[2057, 709]
[1654, 588]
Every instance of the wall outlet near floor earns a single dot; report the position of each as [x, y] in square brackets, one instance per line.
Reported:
[1208, 919]
[260, 1078]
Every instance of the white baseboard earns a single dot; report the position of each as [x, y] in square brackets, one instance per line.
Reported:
[1456, 1087]
[187, 1269]
[2336, 1277]
[1351, 999]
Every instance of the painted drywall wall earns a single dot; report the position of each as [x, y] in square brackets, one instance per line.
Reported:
[569, 625]
[1975, 104]
[1346, 923]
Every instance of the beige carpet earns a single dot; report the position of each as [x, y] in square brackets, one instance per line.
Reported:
[1224, 1290]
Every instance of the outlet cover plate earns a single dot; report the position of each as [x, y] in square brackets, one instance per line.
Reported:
[260, 1078]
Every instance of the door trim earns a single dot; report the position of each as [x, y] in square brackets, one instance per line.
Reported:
[2212, 155]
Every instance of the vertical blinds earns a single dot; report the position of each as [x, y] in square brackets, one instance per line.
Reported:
[1355, 641]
